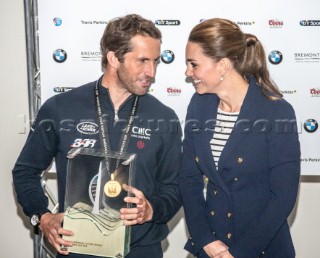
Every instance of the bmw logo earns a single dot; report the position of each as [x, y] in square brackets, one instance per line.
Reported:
[59, 55]
[57, 21]
[167, 56]
[275, 57]
[310, 125]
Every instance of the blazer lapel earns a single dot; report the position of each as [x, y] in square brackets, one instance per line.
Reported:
[248, 114]
[209, 115]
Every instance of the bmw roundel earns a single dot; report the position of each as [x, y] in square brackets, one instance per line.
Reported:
[167, 56]
[275, 57]
[310, 125]
[59, 55]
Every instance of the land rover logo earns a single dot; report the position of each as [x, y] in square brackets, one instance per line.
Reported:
[88, 128]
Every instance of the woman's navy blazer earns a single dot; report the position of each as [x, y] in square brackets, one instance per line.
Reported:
[251, 194]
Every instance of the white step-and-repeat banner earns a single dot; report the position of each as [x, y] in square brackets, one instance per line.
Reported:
[70, 32]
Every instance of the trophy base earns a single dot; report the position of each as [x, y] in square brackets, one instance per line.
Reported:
[96, 234]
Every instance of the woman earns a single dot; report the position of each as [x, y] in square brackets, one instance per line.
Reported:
[242, 136]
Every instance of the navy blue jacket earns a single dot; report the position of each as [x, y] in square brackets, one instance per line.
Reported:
[69, 120]
[251, 194]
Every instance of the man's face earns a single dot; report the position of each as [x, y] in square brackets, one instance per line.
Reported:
[138, 70]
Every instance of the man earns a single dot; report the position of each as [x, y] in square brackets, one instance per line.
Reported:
[130, 50]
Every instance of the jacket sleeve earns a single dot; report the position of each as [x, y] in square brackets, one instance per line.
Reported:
[191, 185]
[284, 167]
[166, 202]
[35, 157]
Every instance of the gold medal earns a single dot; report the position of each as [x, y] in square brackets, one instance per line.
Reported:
[112, 188]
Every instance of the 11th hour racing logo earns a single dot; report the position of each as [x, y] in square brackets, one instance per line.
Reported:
[57, 21]
[310, 23]
[167, 22]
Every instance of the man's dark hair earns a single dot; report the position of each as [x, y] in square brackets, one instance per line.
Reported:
[119, 32]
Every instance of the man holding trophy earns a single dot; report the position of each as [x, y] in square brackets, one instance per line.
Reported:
[116, 117]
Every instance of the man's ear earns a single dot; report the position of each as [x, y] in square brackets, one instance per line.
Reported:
[112, 59]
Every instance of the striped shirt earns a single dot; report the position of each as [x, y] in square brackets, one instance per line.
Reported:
[224, 126]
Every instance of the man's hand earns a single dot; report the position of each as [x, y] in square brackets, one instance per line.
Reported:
[216, 248]
[139, 214]
[50, 225]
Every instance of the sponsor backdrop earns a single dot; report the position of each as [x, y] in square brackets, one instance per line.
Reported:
[70, 32]
[290, 31]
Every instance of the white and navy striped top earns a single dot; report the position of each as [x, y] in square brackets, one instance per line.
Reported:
[224, 126]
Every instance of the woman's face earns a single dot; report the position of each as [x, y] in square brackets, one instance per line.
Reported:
[203, 70]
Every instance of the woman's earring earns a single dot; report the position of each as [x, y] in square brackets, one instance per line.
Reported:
[221, 78]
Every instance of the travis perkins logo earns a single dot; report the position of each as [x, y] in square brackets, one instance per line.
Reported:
[288, 91]
[167, 22]
[246, 23]
[94, 22]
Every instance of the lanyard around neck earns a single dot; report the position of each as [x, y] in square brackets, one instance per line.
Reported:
[103, 127]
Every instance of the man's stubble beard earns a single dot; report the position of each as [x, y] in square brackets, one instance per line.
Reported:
[129, 85]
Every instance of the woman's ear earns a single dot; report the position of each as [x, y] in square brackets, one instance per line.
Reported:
[112, 59]
[224, 65]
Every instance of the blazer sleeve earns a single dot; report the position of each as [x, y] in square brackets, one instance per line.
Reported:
[284, 169]
[191, 184]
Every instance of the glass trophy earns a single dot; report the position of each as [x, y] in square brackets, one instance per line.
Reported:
[95, 191]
